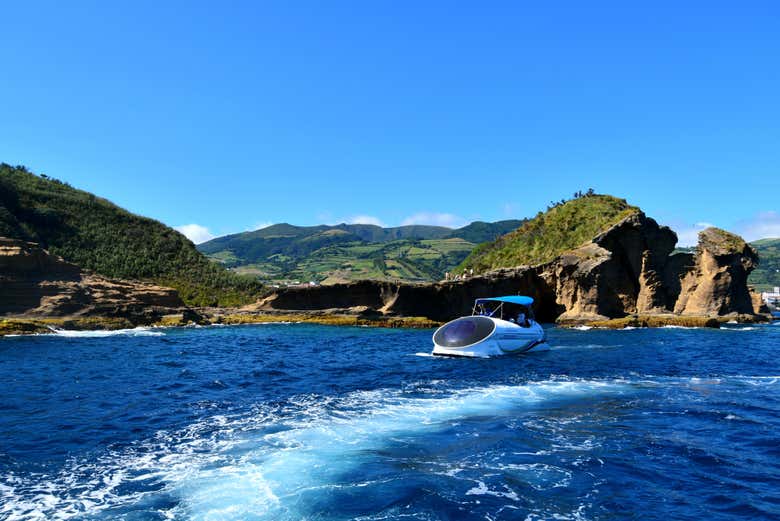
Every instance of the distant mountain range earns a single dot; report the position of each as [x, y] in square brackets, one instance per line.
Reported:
[286, 253]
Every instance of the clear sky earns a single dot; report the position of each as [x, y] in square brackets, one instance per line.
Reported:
[230, 115]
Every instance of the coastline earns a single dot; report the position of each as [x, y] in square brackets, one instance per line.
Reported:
[49, 325]
[41, 326]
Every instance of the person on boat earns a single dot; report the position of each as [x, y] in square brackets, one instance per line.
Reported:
[521, 320]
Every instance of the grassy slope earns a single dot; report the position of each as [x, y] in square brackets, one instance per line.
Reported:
[767, 274]
[409, 260]
[283, 252]
[100, 236]
[299, 241]
[561, 228]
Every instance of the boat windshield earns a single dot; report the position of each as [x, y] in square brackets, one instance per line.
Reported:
[504, 311]
[464, 332]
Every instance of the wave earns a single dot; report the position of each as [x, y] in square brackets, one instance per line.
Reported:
[138, 331]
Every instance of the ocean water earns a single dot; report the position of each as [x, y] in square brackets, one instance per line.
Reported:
[292, 422]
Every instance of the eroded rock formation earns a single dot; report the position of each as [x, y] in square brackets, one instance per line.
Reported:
[716, 282]
[35, 283]
[628, 269]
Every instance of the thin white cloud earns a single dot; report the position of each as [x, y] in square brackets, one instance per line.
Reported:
[195, 232]
[365, 219]
[435, 219]
[761, 226]
[689, 235]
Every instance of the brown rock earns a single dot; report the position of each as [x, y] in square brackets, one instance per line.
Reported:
[627, 270]
[621, 271]
[20, 257]
[34, 283]
[716, 284]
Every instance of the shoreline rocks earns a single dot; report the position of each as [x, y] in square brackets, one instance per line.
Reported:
[627, 276]
[35, 284]
[629, 270]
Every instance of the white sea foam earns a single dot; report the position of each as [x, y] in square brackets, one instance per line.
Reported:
[138, 331]
[671, 326]
[263, 464]
[259, 465]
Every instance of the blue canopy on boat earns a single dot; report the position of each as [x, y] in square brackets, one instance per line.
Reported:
[512, 299]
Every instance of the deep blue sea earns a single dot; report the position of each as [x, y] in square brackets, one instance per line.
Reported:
[292, 422]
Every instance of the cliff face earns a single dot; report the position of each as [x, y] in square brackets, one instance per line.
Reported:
[625, 270]
[621, 271]
[34, 283]
[716, 282]
[439, 301]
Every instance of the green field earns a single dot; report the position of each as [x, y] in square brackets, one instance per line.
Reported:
[287, 254]
[407, 260]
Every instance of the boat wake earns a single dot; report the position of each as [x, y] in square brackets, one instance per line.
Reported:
[267, 464]
[292, 460]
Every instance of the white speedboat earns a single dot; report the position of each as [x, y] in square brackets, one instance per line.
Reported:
[497, 326]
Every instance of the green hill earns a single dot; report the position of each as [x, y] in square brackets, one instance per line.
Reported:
[479, 231]
[287, 253]
[767, 275]
[100, 236]
[562, 227]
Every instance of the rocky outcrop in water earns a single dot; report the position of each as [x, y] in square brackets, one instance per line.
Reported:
[627, 270]
[715, 281]
[35, 283]
[621, 271]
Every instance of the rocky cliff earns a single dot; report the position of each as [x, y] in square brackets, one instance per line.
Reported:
[34, 283]
[715, 280]
[627, 269]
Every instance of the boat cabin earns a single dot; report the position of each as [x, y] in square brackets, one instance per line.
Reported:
[512, 308]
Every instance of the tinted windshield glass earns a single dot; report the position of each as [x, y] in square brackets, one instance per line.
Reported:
[463, 332]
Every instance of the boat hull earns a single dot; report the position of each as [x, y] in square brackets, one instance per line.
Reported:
[485, 337]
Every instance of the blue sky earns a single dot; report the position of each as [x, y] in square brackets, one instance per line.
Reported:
[228, 116]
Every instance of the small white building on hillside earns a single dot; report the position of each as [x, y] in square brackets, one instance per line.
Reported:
[772, 297]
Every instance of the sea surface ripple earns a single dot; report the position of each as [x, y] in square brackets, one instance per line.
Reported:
[293, 421]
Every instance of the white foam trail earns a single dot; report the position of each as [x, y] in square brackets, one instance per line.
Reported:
[285, 465]
[264, 465]
[260, 466]
[138, 331]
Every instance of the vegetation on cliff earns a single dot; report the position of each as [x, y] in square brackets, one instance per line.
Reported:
[721, 242]
[97, 235]
[767, 274]
[345, 252]
[564, 226]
